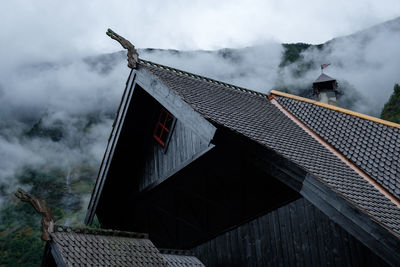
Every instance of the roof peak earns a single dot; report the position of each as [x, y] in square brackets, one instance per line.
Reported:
[324, 78]
[343, 110]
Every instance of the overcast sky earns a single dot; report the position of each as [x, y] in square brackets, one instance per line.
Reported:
[64, 32]
[49, 28]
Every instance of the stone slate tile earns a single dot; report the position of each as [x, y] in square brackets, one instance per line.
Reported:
[252, 115]
[97, 247]
[372, 146]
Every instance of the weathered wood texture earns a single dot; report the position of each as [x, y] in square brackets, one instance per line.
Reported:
[175, 104]
[184, 146]
[343, 212]
[297, 234]
[140, 104]
[214, 193]
[139, 162]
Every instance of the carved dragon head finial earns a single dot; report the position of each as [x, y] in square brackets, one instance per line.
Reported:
[133, 56]
[22, 195]
[41, 207]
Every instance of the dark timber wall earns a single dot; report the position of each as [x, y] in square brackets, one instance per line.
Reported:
[183, 147]
[139, 163]
[297, 234]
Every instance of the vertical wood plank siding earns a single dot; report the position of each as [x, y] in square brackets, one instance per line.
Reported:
[297, 234]
[183, 147]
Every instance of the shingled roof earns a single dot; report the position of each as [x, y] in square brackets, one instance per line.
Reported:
[372, 145]
[71, 246]
[324, 78]
[252, 115]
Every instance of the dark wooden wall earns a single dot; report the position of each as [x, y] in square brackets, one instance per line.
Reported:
[297, 234]
[139, 163]
[216, 192]
[183, 147]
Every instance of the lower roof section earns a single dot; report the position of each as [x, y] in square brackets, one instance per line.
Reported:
[98, 247]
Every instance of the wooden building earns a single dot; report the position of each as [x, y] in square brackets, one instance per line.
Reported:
[241, 178]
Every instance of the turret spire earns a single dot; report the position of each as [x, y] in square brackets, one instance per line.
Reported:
[325, 88]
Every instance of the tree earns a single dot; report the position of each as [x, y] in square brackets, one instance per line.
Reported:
[391, 110]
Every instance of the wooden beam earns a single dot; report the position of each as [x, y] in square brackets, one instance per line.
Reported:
[112, 143]
[343, 110]
[339, 209]
[175, 104]
[57, 254]
[174, 171]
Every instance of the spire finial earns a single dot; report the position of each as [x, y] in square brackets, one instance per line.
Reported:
[133, 56]
[323, 66]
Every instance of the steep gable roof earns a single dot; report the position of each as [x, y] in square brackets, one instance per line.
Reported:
[252, 115]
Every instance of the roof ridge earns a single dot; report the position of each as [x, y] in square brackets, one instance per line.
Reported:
[343, 110]
[199, 77]
[98, 231]
[176, 252]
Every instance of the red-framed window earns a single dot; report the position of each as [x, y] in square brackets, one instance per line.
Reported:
[163, 127]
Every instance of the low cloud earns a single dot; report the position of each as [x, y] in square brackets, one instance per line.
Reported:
[253, 67]
[56, 115]
[72, 100]
[369, 61]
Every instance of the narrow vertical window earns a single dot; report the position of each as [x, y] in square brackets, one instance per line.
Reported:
[163, 127]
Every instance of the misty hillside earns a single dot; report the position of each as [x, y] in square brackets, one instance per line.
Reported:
[391, 110]
[56, 116]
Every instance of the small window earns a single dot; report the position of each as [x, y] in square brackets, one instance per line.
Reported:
[164, 127]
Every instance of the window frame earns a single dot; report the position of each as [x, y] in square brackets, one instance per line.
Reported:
[163, 125]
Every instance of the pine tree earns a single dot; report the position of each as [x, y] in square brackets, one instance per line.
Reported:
[391, 110]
